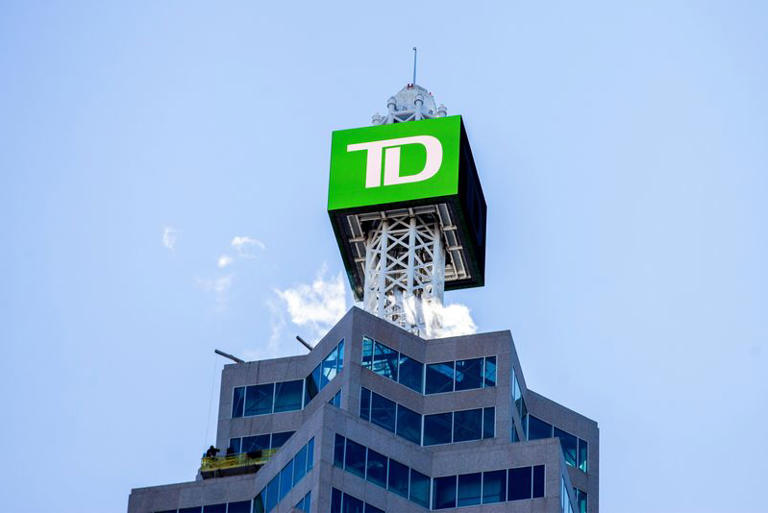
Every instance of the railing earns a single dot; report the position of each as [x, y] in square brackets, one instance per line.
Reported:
[236, 463]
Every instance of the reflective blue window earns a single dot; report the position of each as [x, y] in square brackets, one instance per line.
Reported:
[273, 490]
[385, 361]
[278, 439]
[372, 509]
[581, 500]
[286, 480]
[538, 429]
[519, 483]
[437, 428]
[238, 401]
[304, 504]
[444, 492]
[312, 384]
[336, 399]
[288, 395]
[490, 371]
[258, 503]
[367, 360]
[336, 501]
[408, 424]
[569, 444]
[411, 373]
[469, 489]
[538, 481]
[494, 486]
[398, 478]
[340, 356]
[235, 445]
[338, 451]
[354, 458]
[258, 399]
[467, 425]
[376, 468]
[310, 453]
[239, 507]
[489, 422]
[194, 509]
[330, 368]
[469, 374]
[215, 508]
[583, 455]
[419, 488]
[299, 465]
[383, 412]
[255, 443]
[439, 378]
[352, 505]
[365, 404]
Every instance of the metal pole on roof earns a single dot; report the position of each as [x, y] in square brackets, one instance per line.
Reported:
[414, 65]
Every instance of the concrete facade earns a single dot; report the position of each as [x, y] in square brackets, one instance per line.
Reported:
[322, 422]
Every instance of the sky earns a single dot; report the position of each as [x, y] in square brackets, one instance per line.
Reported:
[163, 181]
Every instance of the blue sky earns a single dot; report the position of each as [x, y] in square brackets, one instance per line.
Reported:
[622, 147]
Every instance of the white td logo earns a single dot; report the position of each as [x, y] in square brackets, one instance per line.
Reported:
[392, 160]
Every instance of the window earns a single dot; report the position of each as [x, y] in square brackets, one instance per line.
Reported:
[235, 445]
[312, 384]
[336, 399]
[383, 412]
[367, 360]
[437, 428]
[372, 509]
[408, 424]
[419, 488]
[215, 508]
[238, 401]
[345, 503]
[286, 480]
[538, 481]
[310, 453]
[196, 509]
[258, 399]
[411, 373]
[338, 451]
[354, 458]
[489, 375]
[538, 429]
[352, 505]
[385, 361]
[581, 500]
[273, 489]
[299, 465]
[569, 444]
[489, 422]
[329, 368]
[288, 395]
[303, 505]
[469, 489]
[519, 483]
[376, 468]
[239, 507]
[365, 404]
[583, 455]
[252, 444]
[444, 493]
[439, 378]
[469, 374]
[494, 486]
[336, 498]
[278, 439]
[467, 425]
[398, 478]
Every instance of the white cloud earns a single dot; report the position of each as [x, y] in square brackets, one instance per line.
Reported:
[246, 246]
[219, 287]
[224, 261]
[448, 321]
[316, 306]
[169, 237]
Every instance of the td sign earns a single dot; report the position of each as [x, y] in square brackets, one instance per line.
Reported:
[394, 163]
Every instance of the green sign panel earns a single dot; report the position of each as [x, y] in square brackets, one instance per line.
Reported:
[393, 163]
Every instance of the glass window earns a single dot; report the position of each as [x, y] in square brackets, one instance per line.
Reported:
[340, 356]
[489, 422]
[273, 489]
[367, 353]
[376, 468]
[288, 395]
[239, 507]
[469, 374]
[215, 508]
[255, 443]
[300, 464]
[354, 458]
[258, 399]
[385, 361]
[519, 483]
[278, 439]
[304, 503]
[538, 481]
[581, 500]
[312, 384]
[236, 445]
[352, 504]
[336, 399]
[569, 444]
[444, 493]
[310, 453]
[437, 428]
[583, 455]
[372, 509]
[238, 401]
[365, 404]
[467, 425]
[258, 502]
[286, 480]
[490, 371]
[408, 424]
[398, 478]
[335, 501]
[469, 489]
[517, 394]
[439, 378]
[411, 373]
[194, 509]
[494, 486]
[419, 488]
[538, 429]
[338, 451]
[382, 412]
[329, 368]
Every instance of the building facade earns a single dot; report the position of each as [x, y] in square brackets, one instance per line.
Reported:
[377, 419]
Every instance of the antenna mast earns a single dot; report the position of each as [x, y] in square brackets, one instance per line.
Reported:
[414, 65]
